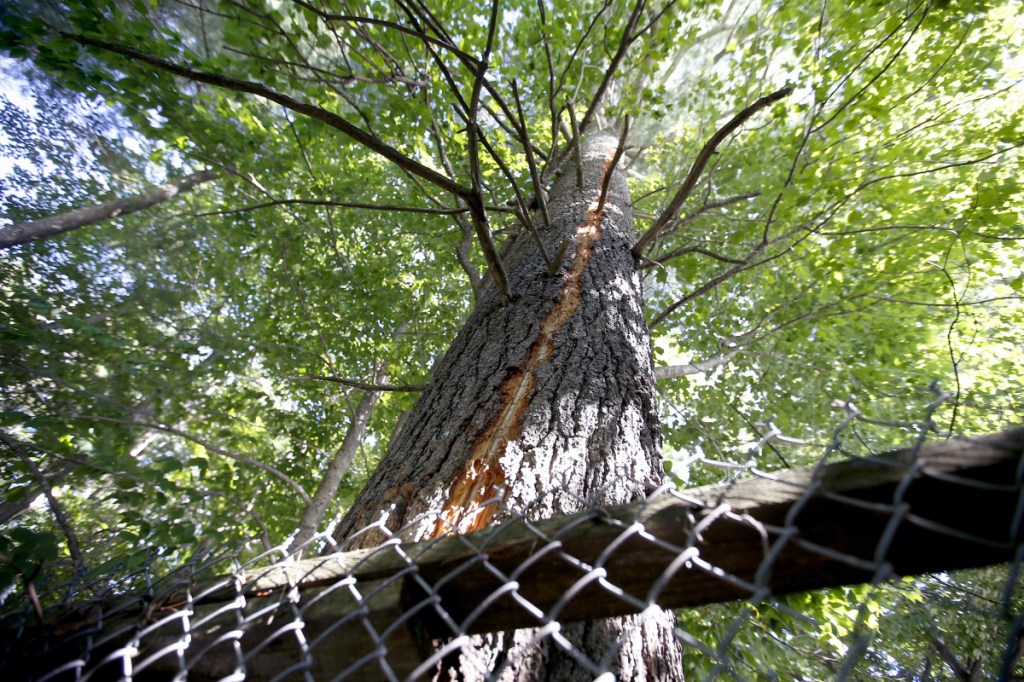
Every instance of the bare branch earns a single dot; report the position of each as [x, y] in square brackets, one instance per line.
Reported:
[421, 9]
[22, 233]
[956, 304]
[627, 39]
[707, 286]
[700, 162]
[689, 218]
[337, 122]
[577, 155]
[871, 81]
[315, 511]
[579, 44]
[359, 20]
[353, 19]
[686, 250]
[607, 180]
[538, 188]
[483, 232]
[522, 212]
[552, 92]
[475, 197]
[676, 371]
[559, 257]
[362, 385]
[465, 227]
[329, 203]
[657, 17]
[61, 516]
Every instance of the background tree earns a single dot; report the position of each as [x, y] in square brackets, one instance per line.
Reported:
[379, 164]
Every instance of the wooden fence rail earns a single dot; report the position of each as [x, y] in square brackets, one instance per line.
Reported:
[939, 507]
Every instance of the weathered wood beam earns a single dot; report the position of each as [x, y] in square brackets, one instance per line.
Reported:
[943, 506]
[841, 507]
[955, 505]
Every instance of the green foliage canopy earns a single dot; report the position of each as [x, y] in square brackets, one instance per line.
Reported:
[859, 240]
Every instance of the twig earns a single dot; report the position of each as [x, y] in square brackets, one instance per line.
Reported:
[620, 53]
[357, 134]
[708, 286]
[538, 189]
[475, 198]
[690, 182]
[657, 17]
[522, 212]
[579, 43]
[529, 225]
[607, 180]
[552, 92]
[362, 385]
[465, 227]
[74, 547]
[576, 153]
[689, 218]
[511, 127]
[559, 257]
[421, 12]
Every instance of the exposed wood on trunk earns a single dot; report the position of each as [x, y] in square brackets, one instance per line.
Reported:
[23, 233]
[483, 479]
[546, 403]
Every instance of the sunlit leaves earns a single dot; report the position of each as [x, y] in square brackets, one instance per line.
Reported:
[886, 212]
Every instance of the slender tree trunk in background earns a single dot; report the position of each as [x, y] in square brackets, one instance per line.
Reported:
[313, 514]
[11, 509]
[546, 405]
[22, 233]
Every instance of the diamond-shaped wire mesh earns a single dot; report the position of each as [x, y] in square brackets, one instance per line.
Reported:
[744, 563]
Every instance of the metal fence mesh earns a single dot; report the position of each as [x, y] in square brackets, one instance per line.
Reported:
[734, 559]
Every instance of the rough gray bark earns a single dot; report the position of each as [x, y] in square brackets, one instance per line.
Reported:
[544, 405]
[22, 233]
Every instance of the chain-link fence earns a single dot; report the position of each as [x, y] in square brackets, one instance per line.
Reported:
[751, 545]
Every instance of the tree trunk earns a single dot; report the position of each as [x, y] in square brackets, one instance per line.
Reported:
[544, 406]
[22, 233]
